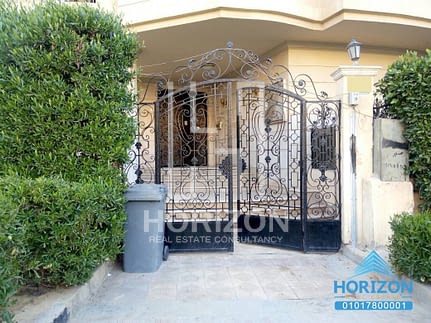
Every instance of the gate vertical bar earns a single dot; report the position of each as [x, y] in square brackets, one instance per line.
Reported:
[230, 154]
[303, 144]
[170, 127]
[138, 145]
[171, 194]
[238, 152]
[157, 171]
[338, 161]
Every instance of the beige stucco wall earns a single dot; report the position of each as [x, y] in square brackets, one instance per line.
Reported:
[108, 4]
[381, 201]
[315, 14]
[319, 61]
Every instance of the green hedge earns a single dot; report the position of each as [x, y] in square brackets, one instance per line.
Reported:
[56, 232]
[406, 87]
[70, 228]
[11, 250]
[410, 245]
[64, 97]
[64, 112]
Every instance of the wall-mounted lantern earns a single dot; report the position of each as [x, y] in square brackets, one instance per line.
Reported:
[354, 51]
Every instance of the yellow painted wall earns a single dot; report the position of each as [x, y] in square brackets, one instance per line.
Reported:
[320, 61]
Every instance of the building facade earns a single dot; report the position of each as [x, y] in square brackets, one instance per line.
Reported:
[197, 135]
[307, 37]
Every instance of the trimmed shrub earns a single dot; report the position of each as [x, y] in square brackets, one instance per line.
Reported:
[410, 245]
[64, 111]
[11, 249]
[69, 228]
[406, 88]
[64, 97]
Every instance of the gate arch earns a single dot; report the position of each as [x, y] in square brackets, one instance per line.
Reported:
[248, 152]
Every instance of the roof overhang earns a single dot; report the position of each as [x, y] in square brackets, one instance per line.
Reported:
[169, 38]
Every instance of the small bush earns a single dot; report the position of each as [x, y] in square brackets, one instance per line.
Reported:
[69, 228]
[410, 245]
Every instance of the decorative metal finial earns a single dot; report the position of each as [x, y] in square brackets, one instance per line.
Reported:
[229, 44]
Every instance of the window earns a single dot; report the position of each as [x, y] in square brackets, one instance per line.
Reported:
[323, 148]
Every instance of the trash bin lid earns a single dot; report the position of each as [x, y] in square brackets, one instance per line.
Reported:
[146, 192]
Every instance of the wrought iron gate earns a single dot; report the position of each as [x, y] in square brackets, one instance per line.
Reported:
[269, 140]
[241, 144]
[289, 193]
[193, 161]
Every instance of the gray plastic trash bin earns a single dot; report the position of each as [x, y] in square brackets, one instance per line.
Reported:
[145, 227]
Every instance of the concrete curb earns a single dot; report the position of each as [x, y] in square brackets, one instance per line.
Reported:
[58, 305]
[421, 292]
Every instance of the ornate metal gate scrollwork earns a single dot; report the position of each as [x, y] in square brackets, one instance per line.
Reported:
[239, 139]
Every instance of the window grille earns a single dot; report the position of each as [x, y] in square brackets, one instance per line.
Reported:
[323, 146]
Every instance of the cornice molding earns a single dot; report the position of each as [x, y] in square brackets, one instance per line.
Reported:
[355, 70]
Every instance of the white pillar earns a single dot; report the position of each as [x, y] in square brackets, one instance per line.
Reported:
[356, 120]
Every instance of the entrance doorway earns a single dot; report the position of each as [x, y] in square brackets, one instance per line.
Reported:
[248, 152]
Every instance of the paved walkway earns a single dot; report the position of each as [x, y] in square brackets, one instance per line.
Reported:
[253, 284]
